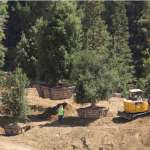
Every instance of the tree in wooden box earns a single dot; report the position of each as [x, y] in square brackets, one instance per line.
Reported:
[90, 66]
[93, 83]
[14, 98]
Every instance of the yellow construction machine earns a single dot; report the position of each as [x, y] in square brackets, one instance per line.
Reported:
[135, 105]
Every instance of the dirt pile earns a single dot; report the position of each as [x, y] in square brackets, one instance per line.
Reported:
[31, 92]
[70, 110]
[51, 111]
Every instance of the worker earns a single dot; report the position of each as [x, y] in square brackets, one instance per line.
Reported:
[60, 113]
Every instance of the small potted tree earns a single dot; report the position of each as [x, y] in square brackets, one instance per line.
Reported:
[93, 82]
[14, 101]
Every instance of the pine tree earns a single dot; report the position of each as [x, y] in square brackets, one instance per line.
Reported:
[91, 70]
[14, 28]
[58, 37]
[26, 51]
[144, 23]
[26, 55]
[22, 16]
[136, 42]
[115, 16]
[145, 28]
[3, 16]
[14, 96]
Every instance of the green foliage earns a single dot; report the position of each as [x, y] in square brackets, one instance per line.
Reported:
[94, 28]
[22, 16]
[144, 24]
[3, 15]
[147, 85]
[60, 40]
[58, 36]
[26, 55]
[136, 39]
[145, 27]
[44, 51]
[144, 84]
[14, 95]
[90, 66]
[120, 54]
[2, 79]
[91, 75]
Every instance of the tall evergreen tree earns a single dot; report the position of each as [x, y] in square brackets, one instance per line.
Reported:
[26, 47]
[91, 65]
[144, 23]
[13, 31]
[136, 41]
[14, 96]
[145, 28]
[3, 15]
[94, 37]
[22, 15]
[26, 55]
[115, 16]
[54, 36]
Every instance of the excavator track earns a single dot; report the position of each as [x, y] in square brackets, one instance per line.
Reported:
[131, 116]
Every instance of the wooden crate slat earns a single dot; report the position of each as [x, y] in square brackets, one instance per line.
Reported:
[92, 113]
[54, 93]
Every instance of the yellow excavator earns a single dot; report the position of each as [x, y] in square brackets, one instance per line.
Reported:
[135, 105]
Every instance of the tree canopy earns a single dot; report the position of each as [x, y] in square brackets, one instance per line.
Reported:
[100, 46]
[3, 16]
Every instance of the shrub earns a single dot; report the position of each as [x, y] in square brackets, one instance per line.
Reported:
[92, 76]
[14, 95]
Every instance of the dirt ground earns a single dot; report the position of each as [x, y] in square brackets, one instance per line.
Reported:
[109, 133]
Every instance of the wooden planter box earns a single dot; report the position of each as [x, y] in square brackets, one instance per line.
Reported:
[92, 112]
[46, 91]
[39, 89]
[57, 93]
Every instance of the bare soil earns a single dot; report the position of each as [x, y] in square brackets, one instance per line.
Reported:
[109, 133]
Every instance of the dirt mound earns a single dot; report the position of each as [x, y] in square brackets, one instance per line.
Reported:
[70, 110]
[32, 92]
[51, 111]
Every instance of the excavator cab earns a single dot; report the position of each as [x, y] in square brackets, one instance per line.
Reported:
[135, 94]
[135, 105]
